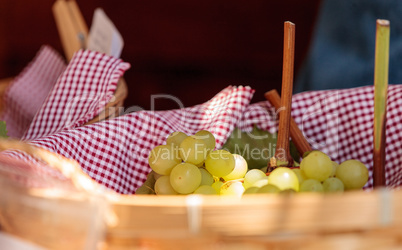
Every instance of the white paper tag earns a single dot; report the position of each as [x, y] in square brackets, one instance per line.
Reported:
[103, 35]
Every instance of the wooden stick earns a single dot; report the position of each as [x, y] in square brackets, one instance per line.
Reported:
[282, 154]
[380, 100]
[296, 134]
[71, 26]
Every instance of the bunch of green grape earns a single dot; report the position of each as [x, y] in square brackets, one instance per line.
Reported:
[318, 173]
[189, 164]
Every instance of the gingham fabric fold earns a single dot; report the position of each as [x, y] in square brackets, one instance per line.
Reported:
[81, 92]
[115, 152]
[27, 92]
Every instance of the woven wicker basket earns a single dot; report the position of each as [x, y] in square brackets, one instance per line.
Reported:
[65, 216]
[352, 220]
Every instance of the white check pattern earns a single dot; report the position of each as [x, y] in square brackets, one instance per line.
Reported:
[27, 92]
[114, 152]
[80, 93]
[340, 123]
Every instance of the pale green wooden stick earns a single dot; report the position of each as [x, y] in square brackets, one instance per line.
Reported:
[380, 100]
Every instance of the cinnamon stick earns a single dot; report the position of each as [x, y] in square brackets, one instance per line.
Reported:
[296, 134]
[282, 153]
[380, 100]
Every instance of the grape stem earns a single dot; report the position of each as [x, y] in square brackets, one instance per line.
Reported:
[282, 152]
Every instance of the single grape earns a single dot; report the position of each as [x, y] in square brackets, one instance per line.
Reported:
[287, 191]
[148, 186]
[163, 158]
[284, 178]
[234, 188]
[269, 188]
[252, 176]
[316, 165]
[205, 189]
[175, 138]
[333, 184]
[206, 177]
[251, 190]
[311, 185]
[193, 150]
[353, 174]
[261, 182]
[220, 163]
[300, 175]
[335, 166]
[163, 186]
[208, 137]
[156, 175]
[144, 189]
[239, 170]
[185, 178]
[217, 186]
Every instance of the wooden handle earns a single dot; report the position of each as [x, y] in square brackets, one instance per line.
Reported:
[71, 25]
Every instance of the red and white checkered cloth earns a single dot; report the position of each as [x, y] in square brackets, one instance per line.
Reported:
[115, 152]
[28, 90]
[80, 93]
[340, 123]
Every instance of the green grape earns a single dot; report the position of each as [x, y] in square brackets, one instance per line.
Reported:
[252, 176]
[205, 189]
[175, 138]
[193, 150]
[148, 186]
[156, 175]
[185, 178]
[269, 188]
[239, 170]
[206, 177]
[300, 175]
[234, 188]
[163, 186]
[333, 184]
[261, 182]
[217, 186]
[335, 166]
[287, 191]
[316, 165]
[163, 158]
[144, 190]
[353, 174]
[251, 190]
[208, 137]
[284, 178]
[311, 185]
[220, 163]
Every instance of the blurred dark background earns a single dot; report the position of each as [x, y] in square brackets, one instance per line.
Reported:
[189, 49]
